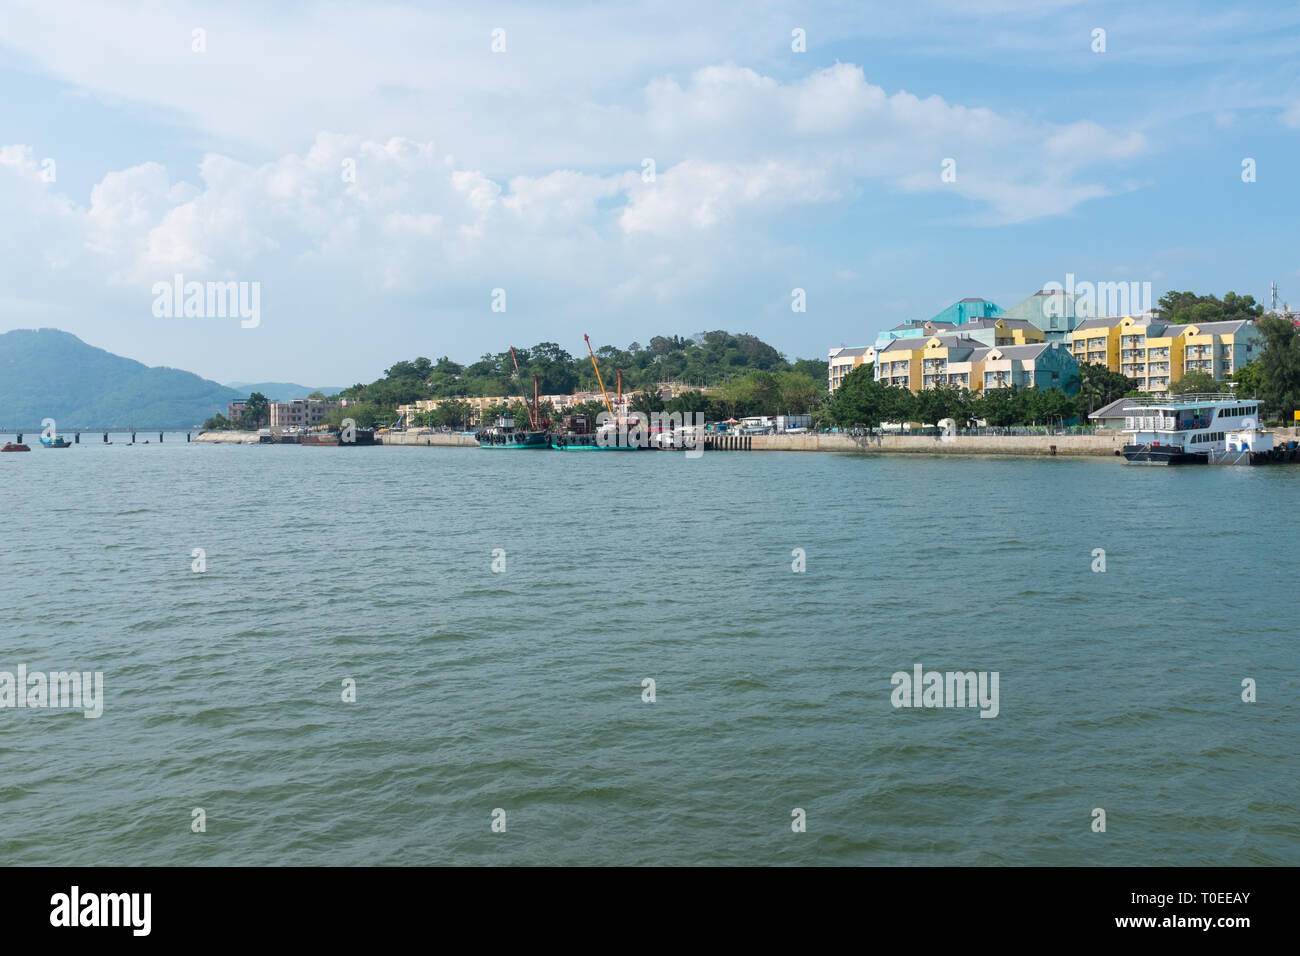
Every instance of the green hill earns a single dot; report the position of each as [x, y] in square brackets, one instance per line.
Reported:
[46, 373]
[282, 391]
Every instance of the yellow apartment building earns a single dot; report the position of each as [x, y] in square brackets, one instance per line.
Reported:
[1157, 354]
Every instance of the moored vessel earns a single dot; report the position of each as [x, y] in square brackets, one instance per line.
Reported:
[579, 433]
[1196, 429]
[503, 434]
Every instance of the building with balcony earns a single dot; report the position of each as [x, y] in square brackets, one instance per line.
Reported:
[965, 362]
[1157, 354]
[1042, 365]
[478, 406]
[300, 413]
[1002, 331]
[841, 362]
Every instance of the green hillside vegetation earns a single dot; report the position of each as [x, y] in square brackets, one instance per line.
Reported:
[47, 373]
[1187, 308]
[754, 376]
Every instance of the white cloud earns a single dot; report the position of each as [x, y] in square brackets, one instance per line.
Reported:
[544, 194]
[739, 149]
[695, 197]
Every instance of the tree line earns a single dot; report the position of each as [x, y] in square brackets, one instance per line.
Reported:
[751, 376]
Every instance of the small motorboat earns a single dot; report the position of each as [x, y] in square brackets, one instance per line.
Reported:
[14, 446]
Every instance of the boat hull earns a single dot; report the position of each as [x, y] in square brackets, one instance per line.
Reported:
[593, 448]
[1162, 455]
[518, 441]
[11, 446]
[584, 443]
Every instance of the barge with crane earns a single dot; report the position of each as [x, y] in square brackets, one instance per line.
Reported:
[579, 433]
[504, 434]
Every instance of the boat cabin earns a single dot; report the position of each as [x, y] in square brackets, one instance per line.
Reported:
[1195, 422]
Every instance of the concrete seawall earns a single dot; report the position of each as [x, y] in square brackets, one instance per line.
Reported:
[888, 444]
[227, 438]
[393, 438]
[1104, 444]
[429, 438]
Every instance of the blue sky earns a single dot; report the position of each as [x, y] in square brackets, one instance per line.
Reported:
[523, 169]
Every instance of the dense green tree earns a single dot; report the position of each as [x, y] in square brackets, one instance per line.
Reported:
[688, 403]
[815, 369]
[707, 359]
[1099, 386]
[799, 393]
[455, 413]
[899, 405]
[859, 402]
[763, 393]
[999, 406]
[1248, 379]
[257, 411]
[1279, 371]
[1184, 308]
[1196, 381]
[217, 423]
[647, 402]
[933, 405]
[364, 414]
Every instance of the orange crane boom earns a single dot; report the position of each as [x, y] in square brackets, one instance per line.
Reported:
[599, 381]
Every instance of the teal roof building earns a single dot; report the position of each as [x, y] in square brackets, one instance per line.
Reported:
[947, 321]
[959, 313]
[1055, 312]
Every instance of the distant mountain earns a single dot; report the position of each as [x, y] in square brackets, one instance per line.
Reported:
[46, 373]
[282, 391]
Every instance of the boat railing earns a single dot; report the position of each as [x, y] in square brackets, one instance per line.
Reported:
[1191, 398]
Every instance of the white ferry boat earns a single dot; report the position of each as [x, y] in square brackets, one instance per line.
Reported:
[1194, 429]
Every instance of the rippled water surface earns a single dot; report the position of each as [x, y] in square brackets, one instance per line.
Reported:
[523, 690]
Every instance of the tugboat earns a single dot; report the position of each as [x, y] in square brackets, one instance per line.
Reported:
[504, 434]
[1187, 429]
[56, 442]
